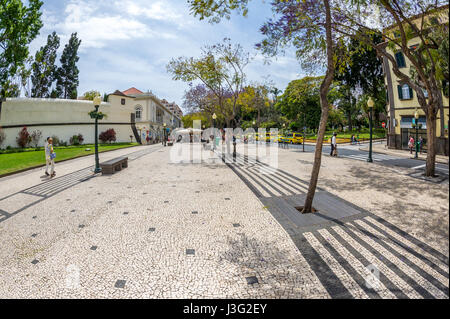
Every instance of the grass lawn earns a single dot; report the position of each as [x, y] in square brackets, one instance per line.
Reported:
[17, 161]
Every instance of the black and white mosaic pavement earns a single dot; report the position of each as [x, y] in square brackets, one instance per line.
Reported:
[355, 254]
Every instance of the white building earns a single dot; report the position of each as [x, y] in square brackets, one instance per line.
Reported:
[134, 115]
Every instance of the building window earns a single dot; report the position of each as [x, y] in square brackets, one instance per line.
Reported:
[159, 115]
[122, 101]
[138, 112]
[400, 59]
[405, 92]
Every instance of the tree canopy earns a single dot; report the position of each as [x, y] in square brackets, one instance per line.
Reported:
[19, 25]
[300, 102]
[44, 68]
[67, 75]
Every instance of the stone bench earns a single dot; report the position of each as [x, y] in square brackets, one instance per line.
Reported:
[113, 165]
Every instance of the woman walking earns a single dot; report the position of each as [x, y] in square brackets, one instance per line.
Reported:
[411, 144]
[50, 157]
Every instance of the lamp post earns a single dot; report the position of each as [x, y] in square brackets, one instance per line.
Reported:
[214, 117]
[164, 134]
[97, 101]
[370, 104]
[416, 116]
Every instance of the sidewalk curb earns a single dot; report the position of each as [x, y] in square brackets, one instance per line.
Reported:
[440, 161]
[61, 161]
[348, 143]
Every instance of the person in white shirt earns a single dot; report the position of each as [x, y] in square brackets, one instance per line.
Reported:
[333, 145]
[50, 162]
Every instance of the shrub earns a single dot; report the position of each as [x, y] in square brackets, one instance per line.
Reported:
[35, 137]
[24, 138]
[108, 136]
[56, 141]
[2, 136]
[76, 139]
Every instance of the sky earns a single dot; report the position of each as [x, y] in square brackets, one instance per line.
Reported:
[128, 43]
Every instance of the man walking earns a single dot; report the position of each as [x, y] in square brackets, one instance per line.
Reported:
[49, 158]
[333, 145]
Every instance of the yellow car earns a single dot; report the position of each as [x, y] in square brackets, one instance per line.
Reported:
[271, 136]
[292, 138]
[267, 138]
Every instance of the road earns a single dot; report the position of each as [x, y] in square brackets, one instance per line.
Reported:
[354, 152]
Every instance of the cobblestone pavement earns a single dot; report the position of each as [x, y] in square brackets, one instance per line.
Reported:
[187, 228]
[354, 253]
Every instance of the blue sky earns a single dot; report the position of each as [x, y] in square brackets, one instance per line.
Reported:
[128, 43]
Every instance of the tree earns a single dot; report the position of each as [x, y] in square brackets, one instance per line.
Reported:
[308, 26]
[188, 119]
[360, 73]
[90, 95]
[67, 74]
[335, 117]
[19, 25]
[44, 68]
[221, 69]
[300, 102]
[254, 103]
[198, 98]
[399, 22]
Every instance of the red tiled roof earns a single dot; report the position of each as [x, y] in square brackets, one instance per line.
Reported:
[117, 92]
[132, 91]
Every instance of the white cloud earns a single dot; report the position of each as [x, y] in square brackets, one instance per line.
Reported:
[97, 24]
[158, 10]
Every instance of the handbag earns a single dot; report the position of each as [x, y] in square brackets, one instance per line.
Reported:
[52, 156]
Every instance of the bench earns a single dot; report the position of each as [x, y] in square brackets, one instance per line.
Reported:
[113, 165]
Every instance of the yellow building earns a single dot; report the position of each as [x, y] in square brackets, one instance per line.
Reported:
[402, 101]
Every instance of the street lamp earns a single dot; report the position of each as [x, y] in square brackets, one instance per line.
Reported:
[416, 116]
[214, 117]
[164, 134]
[97, 101]
[370, 104]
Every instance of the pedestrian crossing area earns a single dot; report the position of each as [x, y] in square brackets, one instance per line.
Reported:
[359, 257]
[262, 179]
[370, 258]
[375, 157]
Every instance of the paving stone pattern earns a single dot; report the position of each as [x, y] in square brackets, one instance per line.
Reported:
[244, 247]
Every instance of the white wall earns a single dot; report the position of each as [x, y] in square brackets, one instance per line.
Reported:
[55, 112]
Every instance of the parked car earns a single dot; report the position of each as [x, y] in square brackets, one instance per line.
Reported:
[292, 138]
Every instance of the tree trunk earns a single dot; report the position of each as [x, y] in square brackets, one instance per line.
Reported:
[324, 88]
[350, 126]
[431, 143]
